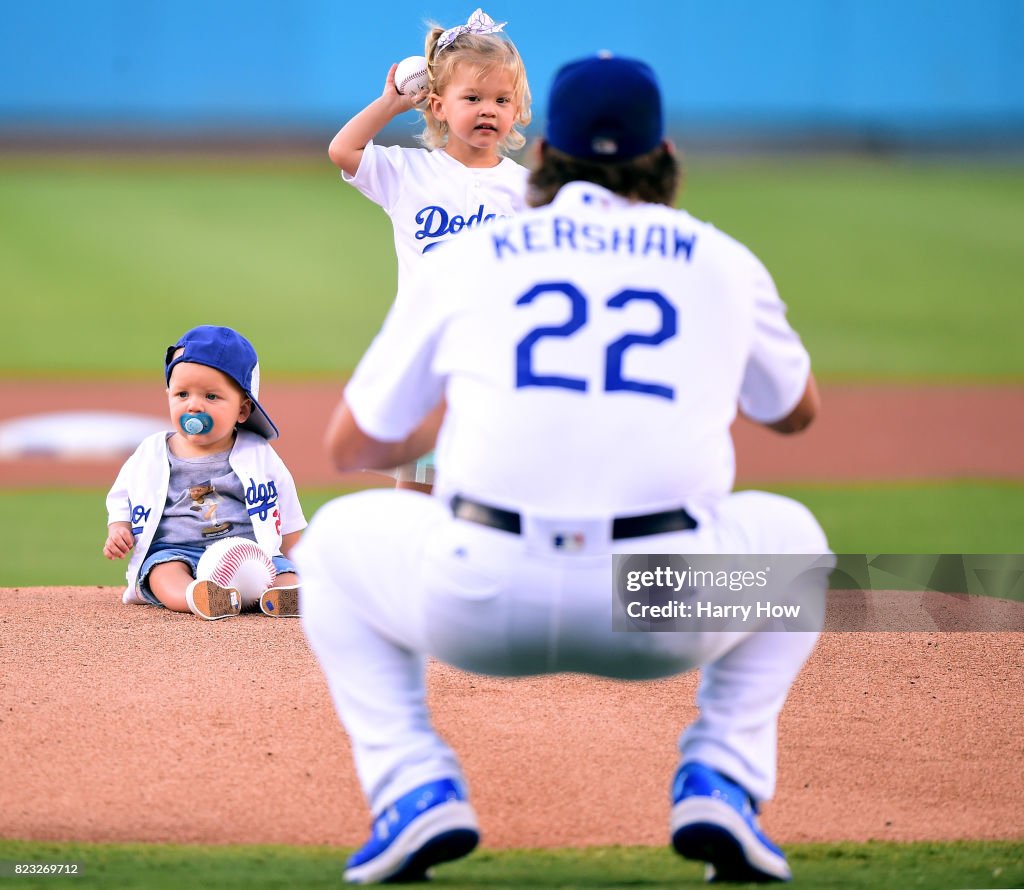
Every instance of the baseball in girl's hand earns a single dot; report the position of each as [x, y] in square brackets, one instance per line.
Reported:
[411, 75]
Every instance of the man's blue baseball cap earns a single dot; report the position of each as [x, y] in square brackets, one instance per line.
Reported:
[605, 108]
[227, 351]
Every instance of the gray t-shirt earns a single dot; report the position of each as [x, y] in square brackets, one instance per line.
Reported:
[205, 501]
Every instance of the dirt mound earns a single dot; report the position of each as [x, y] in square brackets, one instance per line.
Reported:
[132, 723]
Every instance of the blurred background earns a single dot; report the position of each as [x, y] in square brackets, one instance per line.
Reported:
[164, 165]
[865, 74]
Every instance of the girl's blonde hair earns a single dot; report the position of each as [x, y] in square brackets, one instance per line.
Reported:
[486, 53]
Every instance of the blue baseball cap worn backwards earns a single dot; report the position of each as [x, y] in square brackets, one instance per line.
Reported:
[605, 108]
[229, 352]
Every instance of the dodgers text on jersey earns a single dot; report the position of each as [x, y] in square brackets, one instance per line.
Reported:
[436, 223]
[261, 498]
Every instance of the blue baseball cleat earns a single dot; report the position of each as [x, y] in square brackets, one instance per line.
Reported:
[429, 825]
[715, 820]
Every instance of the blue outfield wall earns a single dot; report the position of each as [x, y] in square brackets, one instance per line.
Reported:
[906, 68]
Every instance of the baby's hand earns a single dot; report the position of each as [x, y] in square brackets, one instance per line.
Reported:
[120, 540]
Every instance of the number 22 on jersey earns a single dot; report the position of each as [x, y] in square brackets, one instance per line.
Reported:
[614, 378]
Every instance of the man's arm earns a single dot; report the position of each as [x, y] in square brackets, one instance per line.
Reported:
[352, 449]
[805, 411]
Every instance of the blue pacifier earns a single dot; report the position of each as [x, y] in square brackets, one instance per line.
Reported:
[196, 424]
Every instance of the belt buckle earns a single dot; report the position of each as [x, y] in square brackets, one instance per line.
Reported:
[567, 535]
[568, 541]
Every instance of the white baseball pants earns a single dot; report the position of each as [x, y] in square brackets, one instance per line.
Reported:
[389, 578]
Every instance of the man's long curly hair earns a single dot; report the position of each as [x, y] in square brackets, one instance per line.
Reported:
[653, 178]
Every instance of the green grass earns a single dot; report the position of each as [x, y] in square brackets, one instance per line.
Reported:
[871, 866]
[968, 516]
[955, 517]
[70, 526]
[892, 270]
[112, 262]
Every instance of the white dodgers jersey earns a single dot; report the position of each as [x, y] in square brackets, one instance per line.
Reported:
[431, 197]
[591, 340]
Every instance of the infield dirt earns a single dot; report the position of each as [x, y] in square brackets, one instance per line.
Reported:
[863, 433]
[136, 724]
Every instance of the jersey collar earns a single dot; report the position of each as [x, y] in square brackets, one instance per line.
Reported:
[582, 194]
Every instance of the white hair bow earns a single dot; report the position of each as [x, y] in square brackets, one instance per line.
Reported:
[478, 23]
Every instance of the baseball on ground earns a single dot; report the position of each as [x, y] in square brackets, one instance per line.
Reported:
[238, 563]
[411, 75]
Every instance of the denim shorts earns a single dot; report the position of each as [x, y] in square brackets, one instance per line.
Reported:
[188, 555]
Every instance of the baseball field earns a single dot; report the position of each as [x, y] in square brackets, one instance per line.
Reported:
[151, 749]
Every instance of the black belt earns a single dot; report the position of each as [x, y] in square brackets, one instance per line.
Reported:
[677, 520]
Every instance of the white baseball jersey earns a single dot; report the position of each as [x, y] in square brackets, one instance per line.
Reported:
[632, 329]
[139, 493]
[431, 197]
